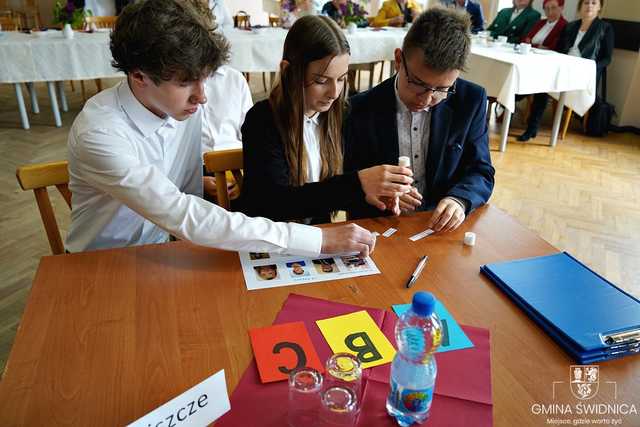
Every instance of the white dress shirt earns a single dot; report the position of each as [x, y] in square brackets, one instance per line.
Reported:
[136, 177]
[515, 14]
[101, 7]
[575, 50]
[414, 136]
[221, 13]
[228, 100]
[311, 137]
[542, 34]
[414, 130]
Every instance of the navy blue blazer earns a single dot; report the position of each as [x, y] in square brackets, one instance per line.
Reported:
[477, 18]
[458, 160]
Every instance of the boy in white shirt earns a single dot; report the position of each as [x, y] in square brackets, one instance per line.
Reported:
[135, 149]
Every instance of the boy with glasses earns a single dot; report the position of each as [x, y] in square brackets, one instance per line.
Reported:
[429, 114]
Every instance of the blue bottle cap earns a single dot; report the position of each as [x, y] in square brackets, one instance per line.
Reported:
[423, 303]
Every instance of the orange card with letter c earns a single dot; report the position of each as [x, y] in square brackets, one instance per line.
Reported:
[279, 349]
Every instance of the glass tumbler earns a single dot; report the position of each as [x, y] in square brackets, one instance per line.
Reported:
[344, 370]
[305, 385]
[338, 407]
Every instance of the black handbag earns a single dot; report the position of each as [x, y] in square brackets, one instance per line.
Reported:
[601, 112]
[599, 119]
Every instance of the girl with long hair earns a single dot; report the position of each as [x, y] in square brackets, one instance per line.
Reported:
[292, 142]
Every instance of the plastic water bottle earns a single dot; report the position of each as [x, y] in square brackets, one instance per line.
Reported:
[413, 370]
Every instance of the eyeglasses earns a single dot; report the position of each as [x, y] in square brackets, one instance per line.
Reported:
[419, 88]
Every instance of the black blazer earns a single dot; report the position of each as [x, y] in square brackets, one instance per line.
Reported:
[597, 43]
[458, 160]
[266, 187]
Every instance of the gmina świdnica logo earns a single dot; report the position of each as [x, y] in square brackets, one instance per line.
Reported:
[584, 381]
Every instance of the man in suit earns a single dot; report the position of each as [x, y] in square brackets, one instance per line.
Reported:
[426, 112]
[475, 12]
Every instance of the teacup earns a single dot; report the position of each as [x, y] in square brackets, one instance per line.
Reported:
[524, 48]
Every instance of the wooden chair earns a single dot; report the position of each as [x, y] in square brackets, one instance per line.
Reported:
[38, 177]
[218, 163]
[100, 22]
[274, 21]
[242, 20]
[10, 23]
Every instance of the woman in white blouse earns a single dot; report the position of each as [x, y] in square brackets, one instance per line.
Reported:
[546, 33]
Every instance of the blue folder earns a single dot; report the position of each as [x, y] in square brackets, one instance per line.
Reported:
[588, 316]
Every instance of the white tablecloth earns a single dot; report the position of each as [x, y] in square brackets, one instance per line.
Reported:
[504, 73]
[261, 50]
[27, 58]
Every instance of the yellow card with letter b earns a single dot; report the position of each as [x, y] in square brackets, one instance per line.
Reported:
[358, 334]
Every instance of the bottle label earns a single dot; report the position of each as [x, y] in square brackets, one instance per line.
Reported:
[410, 400]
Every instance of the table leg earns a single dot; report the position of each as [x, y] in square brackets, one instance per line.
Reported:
[21, 108]
[54, 103]
[557, 120]
[63, 97]
[506, 122]
[34, 98]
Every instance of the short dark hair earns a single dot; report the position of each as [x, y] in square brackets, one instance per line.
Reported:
[167, 39]
[443, 35]
[582, 1]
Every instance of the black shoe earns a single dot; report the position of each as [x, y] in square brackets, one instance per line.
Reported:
[527, 135]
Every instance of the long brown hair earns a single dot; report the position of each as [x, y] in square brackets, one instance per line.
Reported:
[310, 38]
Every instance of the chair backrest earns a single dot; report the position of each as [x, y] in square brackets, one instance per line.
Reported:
[242, 20]
[274, 21]
[38, 177]
[100, 21]
[10, 23]
[218, 163]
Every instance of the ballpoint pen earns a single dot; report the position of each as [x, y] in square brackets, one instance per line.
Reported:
[418, 270]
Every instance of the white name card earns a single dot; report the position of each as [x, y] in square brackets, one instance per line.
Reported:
[199, 406]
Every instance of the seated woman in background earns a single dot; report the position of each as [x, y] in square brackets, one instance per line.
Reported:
[295, 9]
[589, 37]
[514, 22]
[396, 13]
[292, 142]
[333, 9]
[546, 33]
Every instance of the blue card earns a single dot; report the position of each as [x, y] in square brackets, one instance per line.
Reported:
[453, 337]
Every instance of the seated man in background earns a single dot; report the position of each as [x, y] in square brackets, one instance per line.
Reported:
[428, 113]
[228, 100]
[475, 12]
[135, 150]
[396, 13]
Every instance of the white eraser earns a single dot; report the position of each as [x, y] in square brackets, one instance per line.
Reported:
[470, 238]
[404, 161]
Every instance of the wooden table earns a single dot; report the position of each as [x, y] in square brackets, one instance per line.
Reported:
[108, 336]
